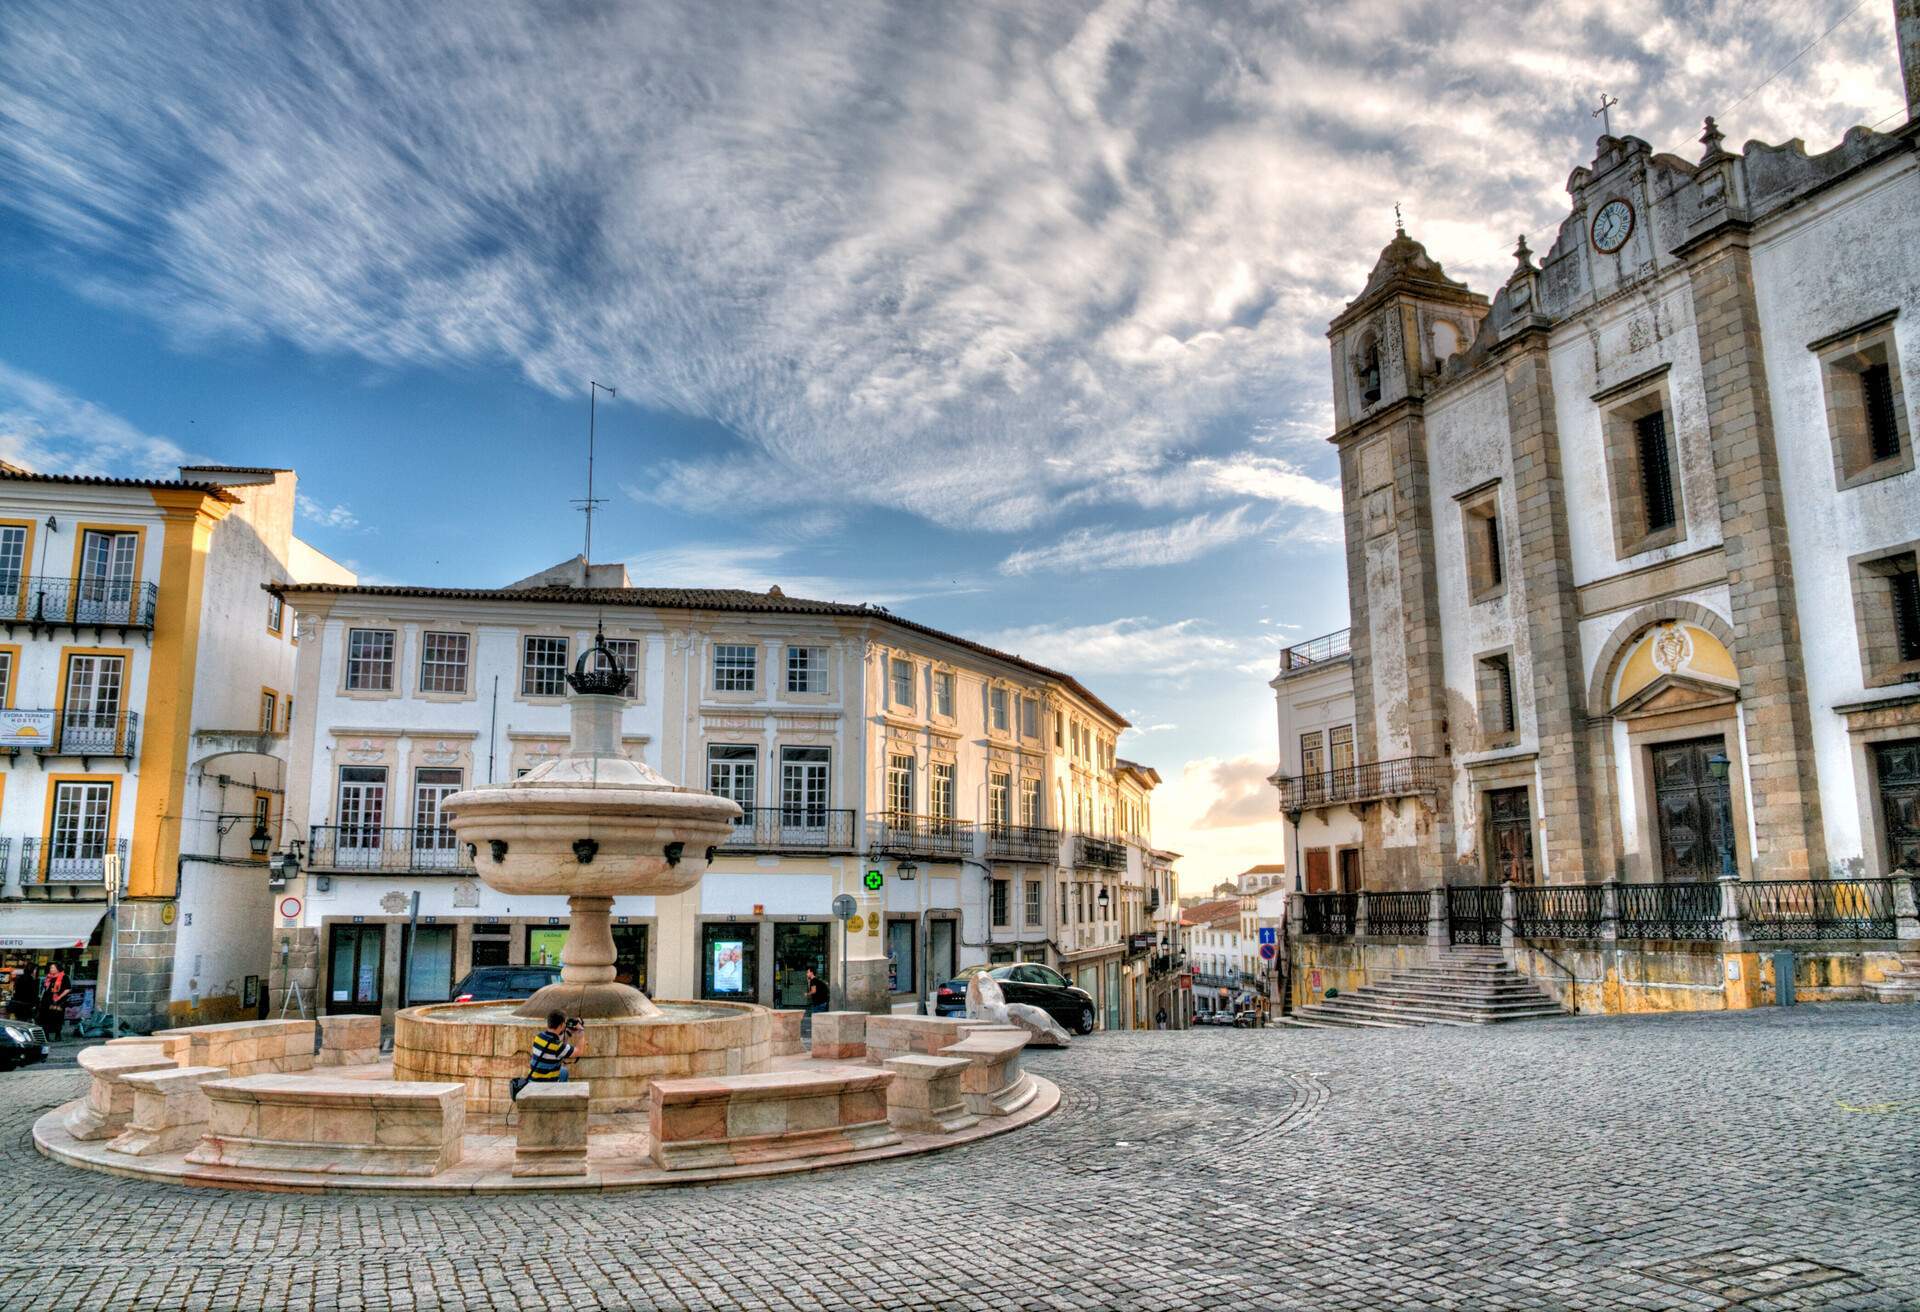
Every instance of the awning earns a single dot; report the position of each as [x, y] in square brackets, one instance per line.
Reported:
[43, 925]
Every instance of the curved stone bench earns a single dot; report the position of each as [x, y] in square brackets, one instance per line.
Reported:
[899, 1036]
[247, 1047]
[994, 1082]
[550, 1137]
[330, 1125]
[741, 1119]
[925, 1096]
[108, 1109]
[169, 1110]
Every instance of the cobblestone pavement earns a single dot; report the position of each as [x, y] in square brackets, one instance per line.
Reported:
[1761, 1160]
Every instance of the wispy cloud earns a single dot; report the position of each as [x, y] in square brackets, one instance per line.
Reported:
[1123, 646]
[336, 517]
[48, 429]
[755, 567]
[1222, 816]
[942, 259]
[1163, 544]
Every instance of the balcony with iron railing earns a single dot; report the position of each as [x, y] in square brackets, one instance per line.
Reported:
[791, 829]
[1370, 781]
[52, 602]
[76, 733]
[1316, 651]
[44, 862]
[1101, 852]
[349, 849]
[1038, 843]
[936, 838]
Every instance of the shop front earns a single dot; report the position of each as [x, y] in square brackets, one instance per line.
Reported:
[764, 960]
[34, 936]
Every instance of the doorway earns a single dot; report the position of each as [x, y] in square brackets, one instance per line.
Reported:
[730, 962]
[491, 945]
[1349, 858]
[1319, 870]
[943, 964]
[355, 954]
[429, 965]
[630, 956]
[1692, 809]
[795, 948]
[1896, 771]
[1510, 835]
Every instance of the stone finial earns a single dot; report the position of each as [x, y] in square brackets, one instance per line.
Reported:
[1523, 257]
[1711, 139]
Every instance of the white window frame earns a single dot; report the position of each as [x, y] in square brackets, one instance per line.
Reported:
[736, 667]
[546, 677]
[943, 693]
[371, 670]
[899, 795]
[438, 667]
[806, 669]
[940, 790]
[900, 681]
[628, 652]
[734, 776]
[997, 713]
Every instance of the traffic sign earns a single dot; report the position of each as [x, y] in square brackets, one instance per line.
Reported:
[845, 905]
[1266, 951]
[875, 881]
[290, 908]
[1268, 934]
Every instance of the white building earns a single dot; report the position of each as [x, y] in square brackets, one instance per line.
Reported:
[983, 789]
[1313, 697]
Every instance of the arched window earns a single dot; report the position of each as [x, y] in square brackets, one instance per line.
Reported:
[1368, 367]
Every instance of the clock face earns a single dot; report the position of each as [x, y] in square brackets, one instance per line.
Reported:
[1612, 225]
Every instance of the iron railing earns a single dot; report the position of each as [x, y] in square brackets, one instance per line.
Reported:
[1397, 915]
[1473, 915]
[366, 847]
[1370, 781]
[1023, 842]
[50, 600]
[1559, 911]
[1776, 910]
[791, 829]
[1326, 647]
[1102, 853]
[1688, 912]
[1209, 981]
[897, 834]
[40, 863]
[1329, 913]
[85, 733]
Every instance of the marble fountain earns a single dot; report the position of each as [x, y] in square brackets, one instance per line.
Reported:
[669, 1092]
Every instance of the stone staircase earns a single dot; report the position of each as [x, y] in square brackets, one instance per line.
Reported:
[1462, 986]
[1902, 984]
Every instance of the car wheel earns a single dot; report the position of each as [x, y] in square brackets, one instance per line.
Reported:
[1084, 1025]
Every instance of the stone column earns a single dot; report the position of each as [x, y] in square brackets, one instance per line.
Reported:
[1733, 930]
[1509, 914]
[1906, 912]
[1360, 914]
[1783, 793]
[1610, 911]
[1438, 930]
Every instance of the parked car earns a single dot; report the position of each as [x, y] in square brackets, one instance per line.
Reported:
[1025, 981]
[504, 983]
[21, 1044]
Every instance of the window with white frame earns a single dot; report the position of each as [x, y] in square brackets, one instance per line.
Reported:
[370, 660]
[1032, 802]
[543, 666]
[269, 710]
[1029, 718]
[806, 669]
[443, 662]
[363, 807]
[1000, 908]
[433, 840]
[940, 791]
[899, 784]
[997, 786]
[1034, 906]
[94, 688]
[736, 667]
[13, 558]
[627, 652]
[81, 815]
[276, 613]
[804, 786]
[6, 678]
[997, 703]
[1059, 730]
[900, 672]
[943, 693]
[733, 773]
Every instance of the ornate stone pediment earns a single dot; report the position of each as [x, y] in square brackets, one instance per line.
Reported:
[1675, 692]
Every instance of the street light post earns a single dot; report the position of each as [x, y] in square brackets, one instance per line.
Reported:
[1717, 765]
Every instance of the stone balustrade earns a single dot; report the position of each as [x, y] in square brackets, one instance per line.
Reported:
[787, 1041]
[550, 1134]
[840, 1035]
[248, 1047]
[348, 1041]
[108, 1108]
[994, 1083]
[170, 1110]
[926, 1096]
[331, 1125]
[897, 1036]
[744, 1119]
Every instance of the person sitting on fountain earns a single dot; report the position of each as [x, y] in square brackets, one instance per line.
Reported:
[556, 1047]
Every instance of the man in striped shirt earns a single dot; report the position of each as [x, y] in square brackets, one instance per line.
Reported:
[555, 1048]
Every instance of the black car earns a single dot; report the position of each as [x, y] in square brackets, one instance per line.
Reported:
[504, 983]
[1029, 982]
[22, 1043]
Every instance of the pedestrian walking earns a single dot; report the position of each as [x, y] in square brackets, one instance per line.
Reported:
[817, 994]
[53, 995]
[24, 1002]
[1160, 1019]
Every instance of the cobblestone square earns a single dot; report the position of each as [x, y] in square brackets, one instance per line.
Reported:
[1760, 1160]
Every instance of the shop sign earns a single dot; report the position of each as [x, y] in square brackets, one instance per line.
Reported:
[25, 728]
[855, 924]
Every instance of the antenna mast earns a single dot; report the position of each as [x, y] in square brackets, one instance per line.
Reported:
[593, 396]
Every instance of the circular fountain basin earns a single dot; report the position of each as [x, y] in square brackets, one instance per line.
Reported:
[484, 1045]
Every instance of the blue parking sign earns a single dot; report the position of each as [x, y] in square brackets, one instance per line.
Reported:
[1268, 934]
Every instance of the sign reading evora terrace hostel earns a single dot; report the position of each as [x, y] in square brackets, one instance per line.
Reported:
[26, 728]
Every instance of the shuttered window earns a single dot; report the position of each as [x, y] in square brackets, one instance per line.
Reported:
[1656, 473]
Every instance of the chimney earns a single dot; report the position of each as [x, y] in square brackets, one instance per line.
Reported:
[1906, 34]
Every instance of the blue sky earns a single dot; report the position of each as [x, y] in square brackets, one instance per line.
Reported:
[1009, 317]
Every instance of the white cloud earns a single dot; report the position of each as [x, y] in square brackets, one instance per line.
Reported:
[46, 428]
[1124, 646]
[336, 517]
[1164, 544]
[755, 567]
[1222, 816]
[946, 259]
